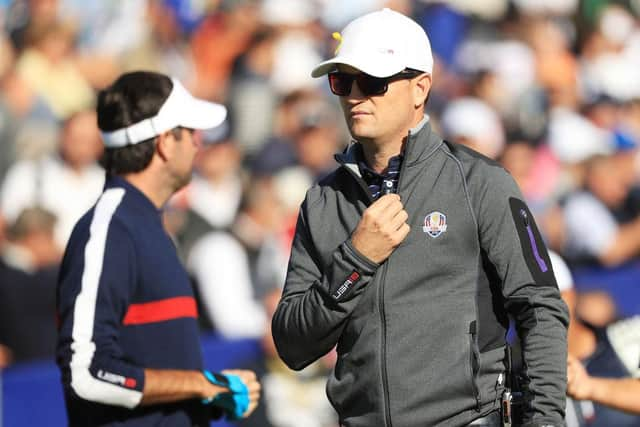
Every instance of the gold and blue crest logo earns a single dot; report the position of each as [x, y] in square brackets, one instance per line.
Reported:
[435, 224]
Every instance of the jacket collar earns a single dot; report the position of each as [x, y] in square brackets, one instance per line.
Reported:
[138, 197]
[421, 143]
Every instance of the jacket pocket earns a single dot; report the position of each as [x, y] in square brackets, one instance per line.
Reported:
[474, 363]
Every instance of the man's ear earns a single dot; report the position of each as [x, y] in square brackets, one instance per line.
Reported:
[421, 89]
[163, 147]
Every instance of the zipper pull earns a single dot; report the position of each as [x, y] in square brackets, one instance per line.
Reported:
[387, 187]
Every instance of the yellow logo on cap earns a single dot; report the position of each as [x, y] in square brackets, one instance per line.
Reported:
[337, 36]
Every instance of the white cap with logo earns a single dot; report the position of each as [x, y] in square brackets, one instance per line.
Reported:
[381, 44]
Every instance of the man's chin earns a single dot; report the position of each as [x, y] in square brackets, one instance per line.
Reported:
[360, 134]
[362, 138]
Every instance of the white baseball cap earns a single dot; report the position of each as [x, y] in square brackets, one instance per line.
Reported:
[381, 44]
[474, 119]
[179, 109]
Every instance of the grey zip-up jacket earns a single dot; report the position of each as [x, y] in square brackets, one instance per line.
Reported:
[421, 337]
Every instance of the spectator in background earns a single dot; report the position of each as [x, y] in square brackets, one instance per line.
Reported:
[291, 398]
[471, 122]
[602, 245]
[67, 183]
[610, 243]
[47, 66]
[294, 399]
[25, 14]
[500, 71]
[228, 287]
[618, 393]
[224, 35]
[305, 134]
[252, 98]
[28, 128]
[296, 48]
[105, 27]
[556, 66]
[610, 353]
[28, 269]
[163, 46]
[212, 199]
[318, 139]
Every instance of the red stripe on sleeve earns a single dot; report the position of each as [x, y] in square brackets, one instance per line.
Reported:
[159, 311]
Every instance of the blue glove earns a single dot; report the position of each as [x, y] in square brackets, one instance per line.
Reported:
[235, 402]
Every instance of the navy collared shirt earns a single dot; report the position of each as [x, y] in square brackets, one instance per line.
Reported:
[384, 183]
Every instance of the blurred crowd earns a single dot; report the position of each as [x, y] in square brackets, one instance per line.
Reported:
[548, 88]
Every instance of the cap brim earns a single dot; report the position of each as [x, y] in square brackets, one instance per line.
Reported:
[368, 65]
[199, 114]
[216, 135]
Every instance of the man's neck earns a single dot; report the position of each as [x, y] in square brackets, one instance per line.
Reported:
[155, 188]
[377, 156]
[378, 152]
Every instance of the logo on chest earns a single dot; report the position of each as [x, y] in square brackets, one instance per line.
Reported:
[435, 224]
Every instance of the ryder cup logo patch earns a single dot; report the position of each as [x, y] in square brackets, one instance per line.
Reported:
[435, 224]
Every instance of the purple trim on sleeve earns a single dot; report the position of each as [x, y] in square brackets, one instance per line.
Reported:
[534, 247]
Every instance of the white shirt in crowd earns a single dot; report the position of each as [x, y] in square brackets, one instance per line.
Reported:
[220, 266]
[49, 183]
[216, 204]
[590, 227]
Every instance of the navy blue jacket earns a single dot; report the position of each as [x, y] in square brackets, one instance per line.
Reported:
[125, 304]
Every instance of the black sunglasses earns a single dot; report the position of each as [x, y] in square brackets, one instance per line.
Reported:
[341, 82]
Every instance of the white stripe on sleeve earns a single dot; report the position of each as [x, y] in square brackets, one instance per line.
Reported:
[83, 347]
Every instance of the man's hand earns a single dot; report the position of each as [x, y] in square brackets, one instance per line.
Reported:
[579, 384]
[382, 228]
[617, 393]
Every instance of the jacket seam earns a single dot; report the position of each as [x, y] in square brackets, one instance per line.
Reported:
[466, 188]
[426, 156]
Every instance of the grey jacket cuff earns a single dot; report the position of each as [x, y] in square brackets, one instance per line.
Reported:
[351, 272]
[362, 261]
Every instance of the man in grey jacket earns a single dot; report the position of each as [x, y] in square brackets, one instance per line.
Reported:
[413, 254]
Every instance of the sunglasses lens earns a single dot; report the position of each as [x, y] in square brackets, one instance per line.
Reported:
[370, 85]
[340, 83]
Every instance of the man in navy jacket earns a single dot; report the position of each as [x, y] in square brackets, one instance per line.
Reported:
[128, 344]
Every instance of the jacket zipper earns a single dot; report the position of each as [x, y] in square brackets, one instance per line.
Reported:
[383, 339]
[383, 350]
[383, 327]
[383, 318]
